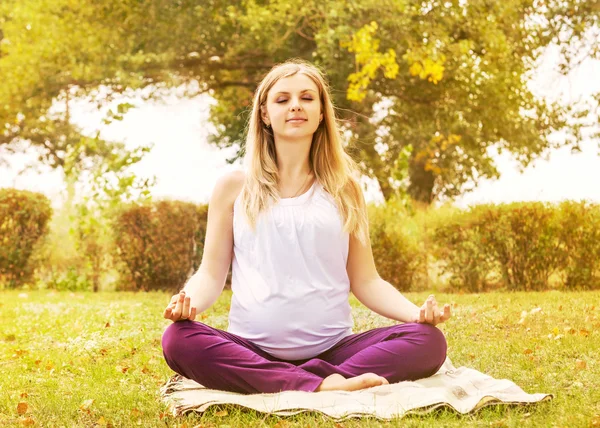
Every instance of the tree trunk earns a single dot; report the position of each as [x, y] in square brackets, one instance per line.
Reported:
[421, 184]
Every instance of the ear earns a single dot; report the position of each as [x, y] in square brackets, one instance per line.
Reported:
[264, 115]
[320, 117]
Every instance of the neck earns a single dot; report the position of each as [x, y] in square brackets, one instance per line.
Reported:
[292, 159]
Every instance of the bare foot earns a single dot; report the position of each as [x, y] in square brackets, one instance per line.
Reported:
[337, 382]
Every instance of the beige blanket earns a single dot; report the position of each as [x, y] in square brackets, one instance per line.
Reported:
[462, 389]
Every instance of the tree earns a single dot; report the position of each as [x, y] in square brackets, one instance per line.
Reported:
[422, 88]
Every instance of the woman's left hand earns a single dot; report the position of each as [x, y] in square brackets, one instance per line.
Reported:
[430, 314]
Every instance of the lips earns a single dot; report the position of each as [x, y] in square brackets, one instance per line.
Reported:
[296, 119]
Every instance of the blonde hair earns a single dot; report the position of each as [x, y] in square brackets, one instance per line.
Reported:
[335, 170]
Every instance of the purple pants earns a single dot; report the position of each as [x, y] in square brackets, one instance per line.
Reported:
[221, 360]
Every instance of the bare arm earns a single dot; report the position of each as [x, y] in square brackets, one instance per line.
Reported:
[206, 285]
[379, 295]
[372, 291]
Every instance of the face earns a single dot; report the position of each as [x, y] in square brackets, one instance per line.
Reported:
[293, 107]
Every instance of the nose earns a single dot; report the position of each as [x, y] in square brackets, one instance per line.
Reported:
[295, 105]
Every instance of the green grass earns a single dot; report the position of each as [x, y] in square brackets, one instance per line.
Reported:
[58, 351]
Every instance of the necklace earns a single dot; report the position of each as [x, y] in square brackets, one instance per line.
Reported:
[301, 187]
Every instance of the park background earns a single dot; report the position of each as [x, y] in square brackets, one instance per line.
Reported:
[475, 124]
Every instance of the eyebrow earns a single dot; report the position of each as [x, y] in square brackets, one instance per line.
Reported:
[287, 93]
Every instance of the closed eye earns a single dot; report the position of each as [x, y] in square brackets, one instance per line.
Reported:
[283, 101]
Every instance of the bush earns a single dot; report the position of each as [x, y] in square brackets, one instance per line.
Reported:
[457, 243]
[579, 233]
[24, 220]
[397, 245]
[522, 238]
[519, 240]
[160, 245]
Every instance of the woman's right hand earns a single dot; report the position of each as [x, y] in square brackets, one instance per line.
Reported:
[179, 308]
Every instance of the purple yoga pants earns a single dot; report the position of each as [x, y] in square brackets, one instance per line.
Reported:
[221, 360]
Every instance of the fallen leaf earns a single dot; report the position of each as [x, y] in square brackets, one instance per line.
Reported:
[86, 404]
[555, 330]
[37, 362]
[221, 413]
[135, 412]
[145, 370]
[22, 408]
[560, 307]
[103, 351]
[527, 351]
[584, 333]
[101, 421]
[10, 338]
[49, 366]
[19, 352]
[122, 369]
[107, 325]
[580, 364]
[27, 422]
[162, 415]
[24, 395]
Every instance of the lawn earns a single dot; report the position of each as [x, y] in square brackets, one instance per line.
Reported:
[84, 359]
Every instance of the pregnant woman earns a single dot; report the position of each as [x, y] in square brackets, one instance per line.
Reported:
[293, 225]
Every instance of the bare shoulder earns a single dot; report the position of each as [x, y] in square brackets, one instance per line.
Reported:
[228, 187]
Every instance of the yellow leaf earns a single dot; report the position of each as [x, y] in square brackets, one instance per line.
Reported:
[22, 408]
[101, 421]
[415, 69]
[221, 413]
[580, 364]
[26, 422]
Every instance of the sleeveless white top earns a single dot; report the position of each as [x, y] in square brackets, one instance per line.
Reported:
[289, 281]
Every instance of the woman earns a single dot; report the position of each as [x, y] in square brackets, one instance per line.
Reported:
[295, 227]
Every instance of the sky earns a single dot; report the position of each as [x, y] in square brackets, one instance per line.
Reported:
[186, 167]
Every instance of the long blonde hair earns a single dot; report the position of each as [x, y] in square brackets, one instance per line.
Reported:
[335, 170]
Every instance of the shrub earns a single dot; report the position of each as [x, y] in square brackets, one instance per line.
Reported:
[522, 238]
[457, 243]
[397, 246]
[160, 245]
[24, 220]
[579, 233]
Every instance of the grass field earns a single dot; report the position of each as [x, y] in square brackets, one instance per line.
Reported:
[83, 359]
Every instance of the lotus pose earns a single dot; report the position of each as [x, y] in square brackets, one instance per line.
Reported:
[293, 224]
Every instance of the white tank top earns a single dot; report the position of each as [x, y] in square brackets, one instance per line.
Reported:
[289, 281]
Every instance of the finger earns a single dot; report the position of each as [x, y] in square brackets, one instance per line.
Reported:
[422, 315]
[167, 313]
[192, 314]
[178, 306]
[185, 312]
[447, 312]
[429, 311]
